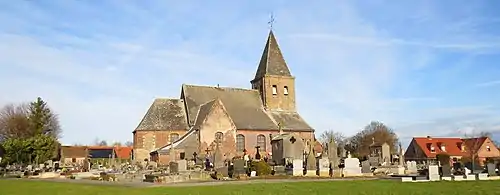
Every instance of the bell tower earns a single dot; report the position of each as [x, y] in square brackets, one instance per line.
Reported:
[273, 78]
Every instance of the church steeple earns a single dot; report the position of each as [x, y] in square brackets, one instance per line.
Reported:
[273, 78]
[272, 61]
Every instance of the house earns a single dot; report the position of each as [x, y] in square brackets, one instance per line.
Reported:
[425, 149]
[236, 119]
[73, 154]
[484, 148]
[118, 152]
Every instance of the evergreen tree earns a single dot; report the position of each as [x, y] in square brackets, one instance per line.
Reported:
[42, 120]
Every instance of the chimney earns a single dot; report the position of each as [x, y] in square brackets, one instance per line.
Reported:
[429, 137]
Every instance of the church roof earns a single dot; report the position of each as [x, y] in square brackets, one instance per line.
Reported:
[203, 112]
[272, 61]
[164, 114]
[244, 106]
[290, 120]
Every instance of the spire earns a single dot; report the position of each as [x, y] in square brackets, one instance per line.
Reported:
[272, 61]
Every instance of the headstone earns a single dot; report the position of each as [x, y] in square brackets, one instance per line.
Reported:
[351, 167]
[324, 167]
[279, 170]
[239, 167]
[223, 171]
[491, 169]
[218, 157]
[407, 179]
[446, 170]
[365, 167]
[458, 177]
[253, 173]
[433, 174]
[470, 177]
[482, 176]
[332, 153]
[467, 171]
[298, 169]
[174, 167]
[182, 165]
[311, 162]
[412, 167]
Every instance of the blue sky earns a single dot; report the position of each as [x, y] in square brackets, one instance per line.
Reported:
[422, 67]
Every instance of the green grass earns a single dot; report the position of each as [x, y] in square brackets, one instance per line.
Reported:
[21, 187]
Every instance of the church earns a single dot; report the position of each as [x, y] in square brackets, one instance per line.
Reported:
[233, 120]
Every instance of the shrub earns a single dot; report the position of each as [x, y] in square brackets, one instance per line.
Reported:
[261, 167]
[444, 159]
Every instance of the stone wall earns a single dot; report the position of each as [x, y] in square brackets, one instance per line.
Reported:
[146, 141]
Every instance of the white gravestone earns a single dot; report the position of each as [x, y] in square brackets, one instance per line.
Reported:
[182, 165]
[482, 176]
[324, 167]
[412, 167]
[298, 169]
[352, 167]
[434, 173]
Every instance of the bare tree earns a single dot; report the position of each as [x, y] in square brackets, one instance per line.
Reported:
[129, 143]
[14, 122]
[473, 143]
[329, 135]
[375, 131]
[117, 144]
[99, 142]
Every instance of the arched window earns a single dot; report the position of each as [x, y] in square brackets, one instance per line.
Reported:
[174, 137]
[261, 142]
[218, 137]
[240, 143]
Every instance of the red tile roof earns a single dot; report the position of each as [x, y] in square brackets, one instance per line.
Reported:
[452, 146]
[123, 152]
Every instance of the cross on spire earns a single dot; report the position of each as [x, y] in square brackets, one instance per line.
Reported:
[271, 21]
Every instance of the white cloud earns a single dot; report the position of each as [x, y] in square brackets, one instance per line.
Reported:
[100, 73]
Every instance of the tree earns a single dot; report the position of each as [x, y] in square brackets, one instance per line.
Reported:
[14, 122]
[129, 144]
[36, 149]
[99, 142]
[473, 143]
[359, 144]
[329, 135]
[42, 120]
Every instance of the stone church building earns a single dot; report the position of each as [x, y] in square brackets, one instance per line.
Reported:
[235, 120]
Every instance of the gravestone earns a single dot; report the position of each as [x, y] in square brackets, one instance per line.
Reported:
[223, 171]
[324, 167]
[279, 170]
[412, 167]
[311, 163]
[351, 167]
[365, 167]
[182, 165]
[332, 153]
[491, 169]
[445, 170]
[218, 158]
[433, 174]
[174, 167]
[239, 167]
[298, 167]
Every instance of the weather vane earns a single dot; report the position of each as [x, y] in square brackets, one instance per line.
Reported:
[271, 21]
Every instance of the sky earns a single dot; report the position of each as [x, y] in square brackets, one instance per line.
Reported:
[420, 67]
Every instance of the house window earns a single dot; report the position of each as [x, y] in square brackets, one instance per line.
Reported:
[174, 137]
[443, 148]
[432, 149]
[218, 137]
[285, 90]
[488, 148]
[261, 142]
[240, 143]
[275, 90]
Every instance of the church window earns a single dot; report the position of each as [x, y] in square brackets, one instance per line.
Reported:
[174, 137]
[275, 90]
[218, 137]
[240, 143]
[285, 90]
[261, 142]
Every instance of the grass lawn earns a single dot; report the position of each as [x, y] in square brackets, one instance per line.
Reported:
[21, 187]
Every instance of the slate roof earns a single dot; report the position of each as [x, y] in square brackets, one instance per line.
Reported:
[272, 61]
[165, 114]
[290, 120]
[203, 113]
[244, 106]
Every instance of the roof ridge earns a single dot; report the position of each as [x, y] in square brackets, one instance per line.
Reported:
[219, 87]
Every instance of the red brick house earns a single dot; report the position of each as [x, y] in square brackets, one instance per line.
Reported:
[425, 149]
